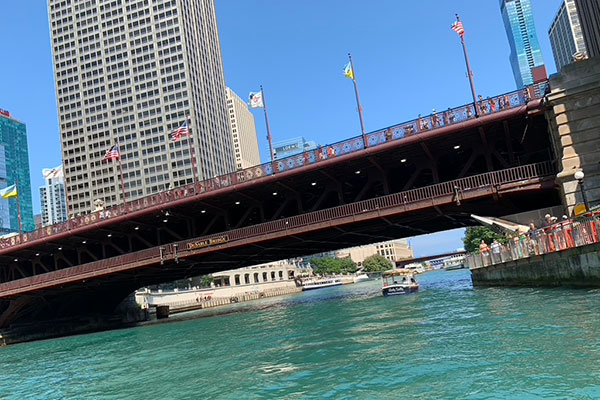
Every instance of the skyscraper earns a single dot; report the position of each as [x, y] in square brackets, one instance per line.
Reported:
[565, 34]
[14, 168]
[589, 17]
[243, 131]
[132, 72]
[525, 54]
[52, 196]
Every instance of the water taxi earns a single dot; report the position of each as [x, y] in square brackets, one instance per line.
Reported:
[320, 283]
[398, 281]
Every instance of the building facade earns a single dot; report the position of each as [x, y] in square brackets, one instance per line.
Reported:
[243, 131]
[52, 196]
[290, 147]
[14, 168]
[393, 250]
[589, 17]
[131, 72]
[565, 34]
[525, 53]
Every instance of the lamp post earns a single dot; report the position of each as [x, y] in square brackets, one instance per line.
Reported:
[579, 175]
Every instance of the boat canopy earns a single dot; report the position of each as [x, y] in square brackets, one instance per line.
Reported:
[397, 272]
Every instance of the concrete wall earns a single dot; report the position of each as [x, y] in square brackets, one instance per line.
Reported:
[575, 267]
[574, 122]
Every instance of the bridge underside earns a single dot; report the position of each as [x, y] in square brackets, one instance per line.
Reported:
[75, 272]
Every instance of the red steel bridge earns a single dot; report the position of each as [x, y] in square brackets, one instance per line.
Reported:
[417, 177]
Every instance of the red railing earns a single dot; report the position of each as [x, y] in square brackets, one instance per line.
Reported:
[397, 132]
[460, 189]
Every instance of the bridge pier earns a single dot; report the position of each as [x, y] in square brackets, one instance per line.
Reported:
[574, 125]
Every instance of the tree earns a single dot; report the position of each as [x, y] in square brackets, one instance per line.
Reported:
[328, 266]
[376, 263]
[475, 234]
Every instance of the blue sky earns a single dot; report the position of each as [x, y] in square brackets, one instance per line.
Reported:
[407, 62]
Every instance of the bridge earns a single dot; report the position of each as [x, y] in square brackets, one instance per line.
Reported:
[417, 177]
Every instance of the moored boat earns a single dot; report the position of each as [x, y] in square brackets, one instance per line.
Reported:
[360, 277]
[321, 283]
[398, 281]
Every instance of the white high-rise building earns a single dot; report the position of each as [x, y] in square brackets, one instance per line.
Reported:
[565, 34]
[132, 71]
[52, 196]
[243, 131]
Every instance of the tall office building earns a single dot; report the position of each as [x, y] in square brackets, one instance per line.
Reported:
[132, 72]
[565, 34]
[589, 17]
[525, 53]
[52, 196]
[243, 131]
[14, 167]
[290, 147]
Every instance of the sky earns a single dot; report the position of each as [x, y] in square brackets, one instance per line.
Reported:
[407, 62]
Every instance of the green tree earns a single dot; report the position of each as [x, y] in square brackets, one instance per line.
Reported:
[376, 263]
[329, 266]
[475, 234]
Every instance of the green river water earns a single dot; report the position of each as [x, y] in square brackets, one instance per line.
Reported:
[449, 341]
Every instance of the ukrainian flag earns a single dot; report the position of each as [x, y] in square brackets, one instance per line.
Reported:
[9, 192]
[348, 73]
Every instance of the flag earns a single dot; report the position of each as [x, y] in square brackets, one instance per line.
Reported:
[112, 154]
[348, 72]
[9, 192]
[180, 132]
[256, 100]
[458, 28]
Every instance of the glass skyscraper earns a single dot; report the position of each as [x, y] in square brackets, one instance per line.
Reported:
[525, 53]
[14, 167]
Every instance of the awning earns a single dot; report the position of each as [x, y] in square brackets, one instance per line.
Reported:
[503, 224]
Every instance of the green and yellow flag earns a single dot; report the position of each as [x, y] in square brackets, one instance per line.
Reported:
[9, 192]
[348, 73]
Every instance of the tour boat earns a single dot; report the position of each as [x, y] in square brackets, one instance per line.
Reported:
[398, 281]
[320, 283]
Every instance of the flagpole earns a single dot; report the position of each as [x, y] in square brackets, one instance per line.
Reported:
[192, 149]
[18, 209]
[469, 72]
[121, 169]
[360, 115]
[269, 138]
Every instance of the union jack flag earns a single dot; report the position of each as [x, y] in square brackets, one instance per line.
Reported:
[180, 132]
[112, 154]
[458, 28]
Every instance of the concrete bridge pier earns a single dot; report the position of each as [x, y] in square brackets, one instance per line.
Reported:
[574, 123]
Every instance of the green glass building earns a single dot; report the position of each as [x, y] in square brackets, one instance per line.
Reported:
[14, 167]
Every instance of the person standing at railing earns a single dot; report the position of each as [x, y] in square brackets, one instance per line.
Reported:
[534, 238]
[496, 257]
[484, 249]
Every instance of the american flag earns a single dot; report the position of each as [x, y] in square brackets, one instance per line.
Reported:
[180, 132]
[458, 28]
[112, 154]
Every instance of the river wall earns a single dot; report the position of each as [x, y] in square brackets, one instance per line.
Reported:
[577, 267]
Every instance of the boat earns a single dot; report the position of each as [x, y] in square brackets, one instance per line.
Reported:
[321, 283]
[360, 277]
[398, 281]
[454, 266]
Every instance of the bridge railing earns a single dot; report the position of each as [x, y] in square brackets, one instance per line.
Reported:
[556, 237]
[456, 189]
[459, 189]
[396, 132]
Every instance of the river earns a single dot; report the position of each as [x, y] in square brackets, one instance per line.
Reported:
[447, 341]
